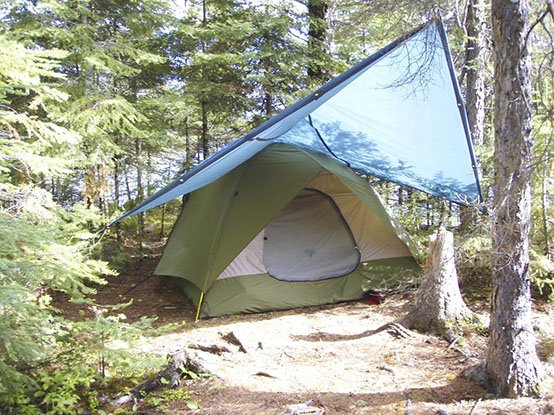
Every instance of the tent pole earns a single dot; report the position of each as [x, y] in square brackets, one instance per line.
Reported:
[199, 305]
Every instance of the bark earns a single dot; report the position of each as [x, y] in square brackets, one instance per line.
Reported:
[117, 196]
[140, 194]
[439, 305]
[545, 198]
[162, 223]
[188, 149]
[268, 97]
[204, 101]
[268, 101]
[204, 132]
[476, 28]
[317, 35]
[512, 367]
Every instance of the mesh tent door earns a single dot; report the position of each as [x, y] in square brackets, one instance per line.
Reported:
[309, 240]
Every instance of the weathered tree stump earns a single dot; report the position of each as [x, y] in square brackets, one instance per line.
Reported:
[439, 304]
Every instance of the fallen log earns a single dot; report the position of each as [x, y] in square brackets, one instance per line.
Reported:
[181, 364]
[212, 348]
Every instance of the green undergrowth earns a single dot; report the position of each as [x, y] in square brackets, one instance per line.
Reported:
[95, 359]
[162, 401]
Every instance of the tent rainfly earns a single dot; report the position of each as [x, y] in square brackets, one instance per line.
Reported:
[280, 219]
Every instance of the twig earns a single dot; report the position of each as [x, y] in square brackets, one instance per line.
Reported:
[386, 369]
[451, 345]
[466, 356]
[474, 406]
[408, 407]
[213, 348]
[396, 329]
[232, 338]
[265, 375]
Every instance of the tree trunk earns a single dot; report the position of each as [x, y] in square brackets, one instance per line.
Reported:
[204, 133]
[545, 197]
[317, 34]
[476, 45]
[266, 61]
[204, 101]
[140, 195]
[475, 69]
[512, 366]
[117, 197]
[439, 305]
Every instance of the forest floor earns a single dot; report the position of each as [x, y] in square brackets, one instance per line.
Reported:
[329, 355]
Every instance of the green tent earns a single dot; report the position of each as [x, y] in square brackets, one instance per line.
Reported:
[287, 228]
[283, 217]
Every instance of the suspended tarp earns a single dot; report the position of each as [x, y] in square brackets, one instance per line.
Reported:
[397, 115]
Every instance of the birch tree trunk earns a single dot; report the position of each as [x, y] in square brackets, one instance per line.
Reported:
[512, 366]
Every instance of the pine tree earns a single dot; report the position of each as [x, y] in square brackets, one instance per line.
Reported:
[512, 364]
[42, 245]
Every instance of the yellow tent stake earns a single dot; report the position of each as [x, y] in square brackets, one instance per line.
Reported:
[199, 305]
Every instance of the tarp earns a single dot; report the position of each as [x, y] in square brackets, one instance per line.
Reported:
[397, 115]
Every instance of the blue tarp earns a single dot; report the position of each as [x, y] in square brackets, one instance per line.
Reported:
[398, 115]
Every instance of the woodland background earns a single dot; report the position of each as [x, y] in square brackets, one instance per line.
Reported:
[104, 101]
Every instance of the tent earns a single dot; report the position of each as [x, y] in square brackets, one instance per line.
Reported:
[287, 228]
[284, 217]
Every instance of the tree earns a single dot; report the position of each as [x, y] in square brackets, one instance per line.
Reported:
[475, 69]
[42, 245]
[317, 37]
[475, 76]
[512, 366]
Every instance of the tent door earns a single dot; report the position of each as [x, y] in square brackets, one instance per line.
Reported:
[309, 240]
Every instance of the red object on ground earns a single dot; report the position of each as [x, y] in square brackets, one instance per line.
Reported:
[374, 298]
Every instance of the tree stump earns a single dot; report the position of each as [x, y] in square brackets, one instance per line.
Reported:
[439, 305]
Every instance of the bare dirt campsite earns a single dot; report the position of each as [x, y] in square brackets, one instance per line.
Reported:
[329, 358]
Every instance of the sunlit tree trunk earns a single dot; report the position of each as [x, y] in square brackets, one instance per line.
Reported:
[117, 194]
[512, 366]
[439, 305]
[475, 69]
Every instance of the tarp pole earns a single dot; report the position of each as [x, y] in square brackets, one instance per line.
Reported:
[199, 305]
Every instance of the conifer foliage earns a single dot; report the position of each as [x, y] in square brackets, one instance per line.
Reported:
[42, 245]
[102, 101]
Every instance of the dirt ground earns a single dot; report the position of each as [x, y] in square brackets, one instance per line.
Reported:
[331, 355]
